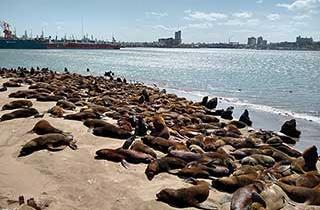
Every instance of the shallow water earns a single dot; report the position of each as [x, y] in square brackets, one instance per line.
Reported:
[278, 82]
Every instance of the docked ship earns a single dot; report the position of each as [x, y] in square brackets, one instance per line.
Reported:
[11, 41]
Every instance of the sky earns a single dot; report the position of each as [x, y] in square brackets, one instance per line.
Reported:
[148, 20]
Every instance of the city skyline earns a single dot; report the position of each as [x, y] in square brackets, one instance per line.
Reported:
[200, 20]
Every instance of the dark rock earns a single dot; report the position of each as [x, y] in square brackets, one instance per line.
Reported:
[289, 128]
[245, 118]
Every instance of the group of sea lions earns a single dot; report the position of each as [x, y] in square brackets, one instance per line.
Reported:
[191, 140]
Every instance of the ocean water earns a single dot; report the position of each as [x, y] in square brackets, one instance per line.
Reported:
[284, 83]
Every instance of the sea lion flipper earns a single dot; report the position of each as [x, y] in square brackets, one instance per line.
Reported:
[205, 206]
[73, 146]
[53, 148]
[125, 164]
[90, 130]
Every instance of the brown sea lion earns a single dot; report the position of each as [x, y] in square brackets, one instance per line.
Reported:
[309, 179]
[44, 127]
[274, 197]
[307, 162]
[245, 196]
[160, 127]
[11, 83]
[17, 104]
[121, 155]
[158, 143]
[47, 98]
[23, 94]
[56, 111]
[309, 196]
[163, 164]
[256, 159]
[81, 116]
[20, 113]
[112, 131]
[141, 147]
[95, 123]
[66, 104]
[52, 142]
[186, 197]
[242, 177]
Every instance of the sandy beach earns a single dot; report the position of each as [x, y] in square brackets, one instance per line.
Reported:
[68, 179]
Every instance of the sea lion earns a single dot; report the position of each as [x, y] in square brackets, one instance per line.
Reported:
[186, 197]
[66, 104]
[245, 118]
[3, 89]
[164, 164]
[17, 104]
[158, 143]
[309, 196]
[307, 162]
[20, 113]
[141, 147]
[11, 83]
[289, 128]
[245, 196]
[56, 111]
[112, 131]
[80, 116]
[44, 127]
[95, 123]
[242, 177]
[23, 94]
[160, 127]
[119, 155]
[310, 179]
[52, 142]
[256, 159]
[47, 98]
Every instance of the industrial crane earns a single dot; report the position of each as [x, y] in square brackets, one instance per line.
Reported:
[6, 30]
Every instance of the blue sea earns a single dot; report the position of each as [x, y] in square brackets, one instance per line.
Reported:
[282, 84]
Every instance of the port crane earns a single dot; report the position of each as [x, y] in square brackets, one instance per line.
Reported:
[6, 29]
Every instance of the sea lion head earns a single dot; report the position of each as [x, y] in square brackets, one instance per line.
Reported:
[152, 169]
[28, 148]
[166, 195]
[310, 156]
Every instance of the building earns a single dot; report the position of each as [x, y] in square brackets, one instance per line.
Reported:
[177, 37]
[171, 42]
[252, 42]
[261, 43]
[304, 40]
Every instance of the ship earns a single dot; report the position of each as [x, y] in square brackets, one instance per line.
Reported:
[11, 41]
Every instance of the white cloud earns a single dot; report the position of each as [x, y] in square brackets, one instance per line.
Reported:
[273, 17]
[259, 1]
[202, 16]
[200, 25]
[238, 22]
[301, 5]
[242, 15]
[300, 17]
[156, 14]
[162, 27]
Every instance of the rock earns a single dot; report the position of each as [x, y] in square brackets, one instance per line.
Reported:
[212, 103]
[245, 118]
[289, 128]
